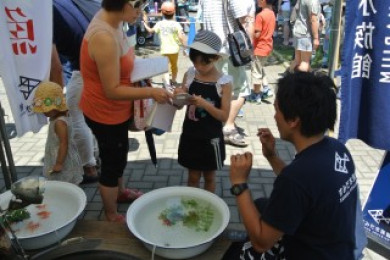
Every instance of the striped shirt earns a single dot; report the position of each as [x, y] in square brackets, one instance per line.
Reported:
[215, 20]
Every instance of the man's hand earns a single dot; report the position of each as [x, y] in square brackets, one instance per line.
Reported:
[268, 142]
[240, 166]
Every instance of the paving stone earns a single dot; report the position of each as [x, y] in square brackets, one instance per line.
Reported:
[174, 180]
[234, 216]
[92, 215]
[94, 206]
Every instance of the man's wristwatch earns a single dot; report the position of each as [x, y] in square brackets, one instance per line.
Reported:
[237, 189]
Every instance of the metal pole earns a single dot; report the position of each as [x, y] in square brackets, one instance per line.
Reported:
[9, 171]
[334, 41]
[4, 169]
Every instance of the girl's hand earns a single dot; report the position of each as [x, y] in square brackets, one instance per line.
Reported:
[161, 95]
[198, 101]
[56, 168]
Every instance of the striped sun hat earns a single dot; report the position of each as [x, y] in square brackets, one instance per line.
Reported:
[207, 42]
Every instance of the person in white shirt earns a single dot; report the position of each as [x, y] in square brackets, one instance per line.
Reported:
[215, 20]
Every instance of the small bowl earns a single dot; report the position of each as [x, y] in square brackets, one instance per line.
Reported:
[30, 189]
[178, 222]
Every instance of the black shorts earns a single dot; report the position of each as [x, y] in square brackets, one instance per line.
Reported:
[113, 148]
[201, 154]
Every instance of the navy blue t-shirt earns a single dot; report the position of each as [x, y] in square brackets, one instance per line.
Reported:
[314, 203]
[69, 26]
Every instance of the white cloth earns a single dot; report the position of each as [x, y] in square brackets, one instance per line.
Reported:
[25, 53]
[72, 170]
[82, 135]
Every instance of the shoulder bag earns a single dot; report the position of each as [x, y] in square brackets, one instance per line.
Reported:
[240, 46]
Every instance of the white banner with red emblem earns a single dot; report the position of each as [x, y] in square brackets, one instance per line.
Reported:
[25, 55]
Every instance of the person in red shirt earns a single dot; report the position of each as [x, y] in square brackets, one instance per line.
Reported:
[263, 44]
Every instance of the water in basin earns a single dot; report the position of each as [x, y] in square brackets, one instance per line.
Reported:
[178, 221]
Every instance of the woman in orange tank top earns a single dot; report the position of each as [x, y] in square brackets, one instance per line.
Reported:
[106, 62]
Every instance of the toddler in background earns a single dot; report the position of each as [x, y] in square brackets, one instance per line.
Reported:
[171, 37]
[61, 161]
[202, 147]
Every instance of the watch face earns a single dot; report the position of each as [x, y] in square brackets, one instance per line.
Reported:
[237, 189]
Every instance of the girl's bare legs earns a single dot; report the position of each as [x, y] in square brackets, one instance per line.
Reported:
[194, 178]
[90, 170]
[209, 181]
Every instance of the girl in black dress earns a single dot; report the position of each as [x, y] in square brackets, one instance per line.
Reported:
[202, 148]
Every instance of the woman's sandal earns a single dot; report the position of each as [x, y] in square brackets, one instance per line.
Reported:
[129, 195]
[119, 219]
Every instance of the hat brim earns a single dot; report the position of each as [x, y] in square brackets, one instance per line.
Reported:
[45, 109]
[205, 49]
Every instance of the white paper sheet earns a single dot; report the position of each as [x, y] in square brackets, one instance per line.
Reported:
[148, 67]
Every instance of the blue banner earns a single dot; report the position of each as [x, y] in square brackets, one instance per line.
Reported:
[376, 211]
[365, 71]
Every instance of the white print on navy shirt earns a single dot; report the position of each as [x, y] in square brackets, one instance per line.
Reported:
[347, 187]
[340, 163]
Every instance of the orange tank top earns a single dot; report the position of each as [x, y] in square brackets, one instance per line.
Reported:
[94, 103]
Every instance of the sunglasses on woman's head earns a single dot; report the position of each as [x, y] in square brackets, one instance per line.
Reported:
[138, 4]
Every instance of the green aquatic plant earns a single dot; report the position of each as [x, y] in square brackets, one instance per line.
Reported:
[190, 213]
[15, 216]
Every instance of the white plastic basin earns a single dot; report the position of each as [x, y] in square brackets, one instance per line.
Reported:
[52, 220]
[178, 222]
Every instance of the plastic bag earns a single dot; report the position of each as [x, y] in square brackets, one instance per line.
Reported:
[141, 110]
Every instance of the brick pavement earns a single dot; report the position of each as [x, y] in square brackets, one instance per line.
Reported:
[140, 173]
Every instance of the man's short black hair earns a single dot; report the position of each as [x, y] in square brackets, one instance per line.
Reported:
[204, 57]
[114, 5]
[309, 97]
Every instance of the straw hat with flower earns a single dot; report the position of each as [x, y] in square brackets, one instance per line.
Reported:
[49, 96]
